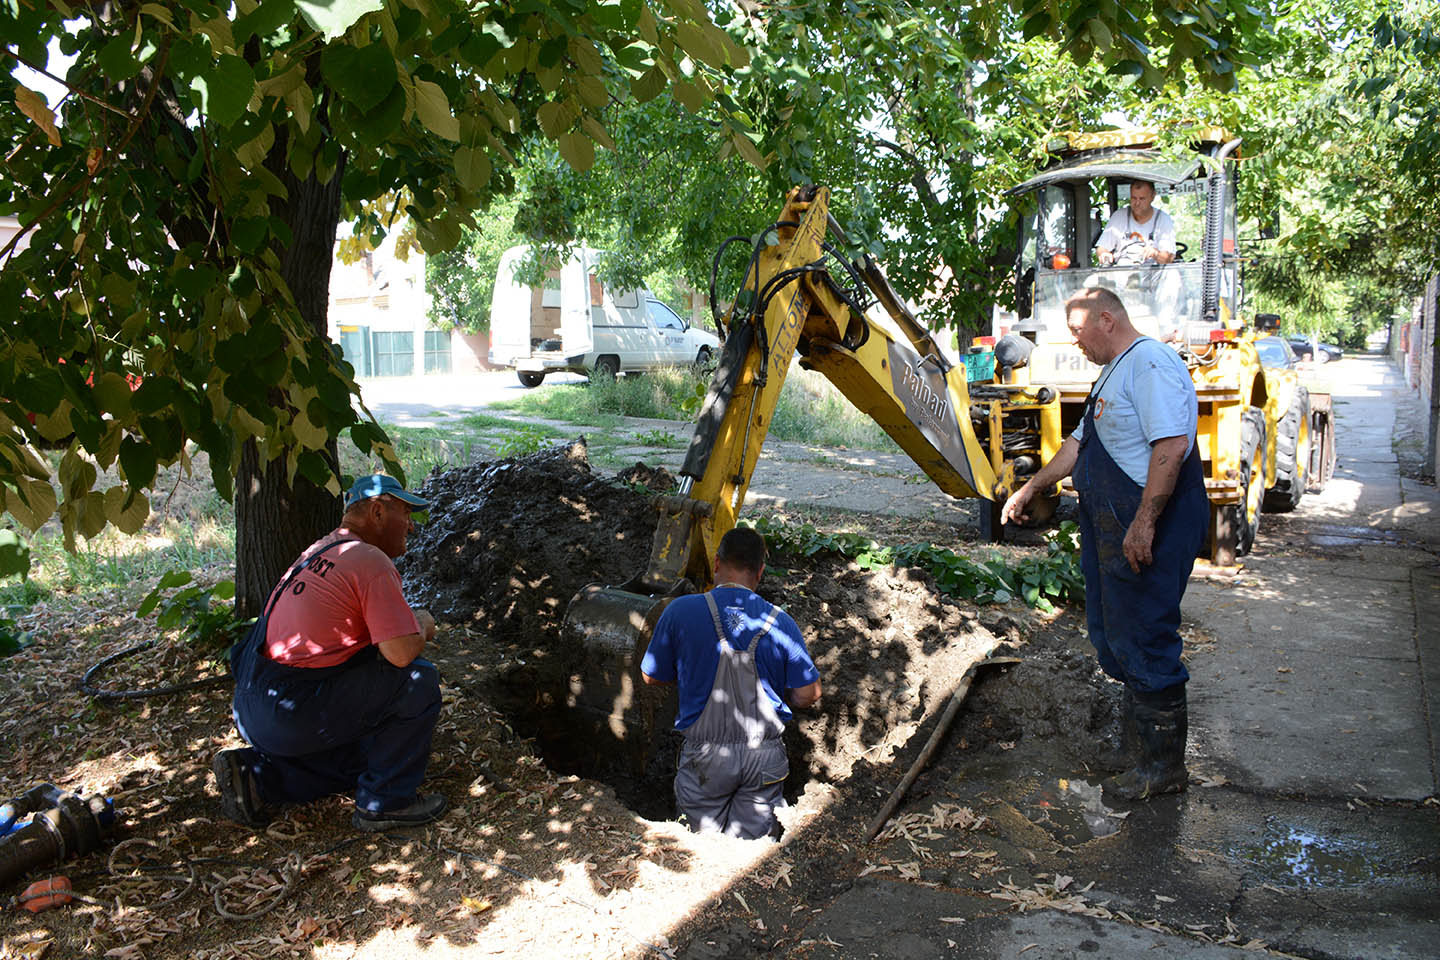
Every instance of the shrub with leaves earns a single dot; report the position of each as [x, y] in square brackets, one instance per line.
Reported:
[1040, 582]
[524, 439]
[208, 627]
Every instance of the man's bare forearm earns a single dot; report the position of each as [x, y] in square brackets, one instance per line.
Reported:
[1059, 466]
[1166, 458]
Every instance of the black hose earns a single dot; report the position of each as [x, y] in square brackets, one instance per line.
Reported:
[714, 272]
[90, 689]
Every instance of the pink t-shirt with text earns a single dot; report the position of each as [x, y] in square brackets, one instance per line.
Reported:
[347, 599]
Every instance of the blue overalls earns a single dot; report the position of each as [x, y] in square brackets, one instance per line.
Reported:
[364, 725]
[1134, 618]
[732, 768]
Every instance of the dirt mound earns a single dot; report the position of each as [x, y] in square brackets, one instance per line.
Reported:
[509, 542]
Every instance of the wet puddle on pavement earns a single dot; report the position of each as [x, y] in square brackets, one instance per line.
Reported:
[1294, 855]
[1326, 535]
[1073, 811]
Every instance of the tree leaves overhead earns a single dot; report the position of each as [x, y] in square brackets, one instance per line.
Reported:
[159, 207]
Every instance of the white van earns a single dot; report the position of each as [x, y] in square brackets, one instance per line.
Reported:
[573, 323]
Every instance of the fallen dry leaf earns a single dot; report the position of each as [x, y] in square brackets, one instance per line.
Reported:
[474, 905]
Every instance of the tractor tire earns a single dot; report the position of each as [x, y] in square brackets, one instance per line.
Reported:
[529, 378]
[1292, 456]
[1245, 515]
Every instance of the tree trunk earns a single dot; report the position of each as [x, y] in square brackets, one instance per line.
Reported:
[274, 521]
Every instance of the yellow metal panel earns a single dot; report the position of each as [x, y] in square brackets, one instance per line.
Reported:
[1132, 137]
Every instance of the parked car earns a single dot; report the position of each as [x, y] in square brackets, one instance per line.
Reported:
[1302, 349]
[1275, 353]
[574, 323]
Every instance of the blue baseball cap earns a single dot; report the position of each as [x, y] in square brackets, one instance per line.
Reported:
[378, 484]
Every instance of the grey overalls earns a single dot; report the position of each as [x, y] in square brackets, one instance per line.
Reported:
[732, 767]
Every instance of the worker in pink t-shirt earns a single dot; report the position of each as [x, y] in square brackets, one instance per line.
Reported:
[330, 690]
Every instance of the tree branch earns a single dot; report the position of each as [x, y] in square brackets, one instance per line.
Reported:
[98, 101]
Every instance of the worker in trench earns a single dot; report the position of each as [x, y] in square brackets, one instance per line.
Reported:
[331, 692]
[1143, 518]
[741, 666]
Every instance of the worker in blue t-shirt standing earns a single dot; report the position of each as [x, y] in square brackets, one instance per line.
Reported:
[1143, 518]
[741, 665]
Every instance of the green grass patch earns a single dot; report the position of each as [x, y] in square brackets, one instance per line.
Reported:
[659, 438]
[672, 393]
[114, 562]
[485, 421]
[812, 410]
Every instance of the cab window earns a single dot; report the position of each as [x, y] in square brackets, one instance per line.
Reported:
[1050, 231]
[664, 317]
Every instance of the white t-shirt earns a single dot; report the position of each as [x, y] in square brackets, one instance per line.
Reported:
[1124, 234]
[1145, 395]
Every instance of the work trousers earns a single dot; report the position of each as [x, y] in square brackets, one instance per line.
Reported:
[364, 726]
[732, 788]
[1134, 618]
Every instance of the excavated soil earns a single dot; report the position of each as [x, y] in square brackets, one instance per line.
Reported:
[507, 544]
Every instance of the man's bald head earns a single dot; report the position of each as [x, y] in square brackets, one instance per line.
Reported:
[1098, 299]
[1100, 324]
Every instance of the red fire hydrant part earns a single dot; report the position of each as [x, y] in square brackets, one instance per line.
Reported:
[44, 894]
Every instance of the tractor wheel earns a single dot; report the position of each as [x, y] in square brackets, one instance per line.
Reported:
[1245, 515]
[1292, 455]
[1322, 443]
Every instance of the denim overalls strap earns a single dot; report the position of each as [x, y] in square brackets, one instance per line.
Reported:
[738, 709]
[244, 652]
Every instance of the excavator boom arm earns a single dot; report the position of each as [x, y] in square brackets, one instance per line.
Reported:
[902, 382]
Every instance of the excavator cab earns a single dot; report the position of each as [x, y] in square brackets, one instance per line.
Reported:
[1064, 212]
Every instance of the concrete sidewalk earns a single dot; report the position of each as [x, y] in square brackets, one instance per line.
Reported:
[1323, 669]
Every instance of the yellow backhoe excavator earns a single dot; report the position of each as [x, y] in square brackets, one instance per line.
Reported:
[804, 295]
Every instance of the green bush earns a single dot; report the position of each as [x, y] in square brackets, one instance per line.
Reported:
[1040, 582]
[526, 438]
[210, 628]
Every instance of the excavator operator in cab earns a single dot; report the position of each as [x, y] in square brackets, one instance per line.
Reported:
[1139, 232]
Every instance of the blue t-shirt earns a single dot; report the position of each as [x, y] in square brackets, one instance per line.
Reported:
[1145, 395]
[686, 651]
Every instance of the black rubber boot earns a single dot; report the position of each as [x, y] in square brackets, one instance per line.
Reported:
[1126, 746]
[1162, 724]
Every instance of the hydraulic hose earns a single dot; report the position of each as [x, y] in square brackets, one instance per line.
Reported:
[1214, 228]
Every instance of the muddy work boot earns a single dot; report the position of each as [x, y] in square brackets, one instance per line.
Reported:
[1161, 726]
[239, 788]
[1122, 746]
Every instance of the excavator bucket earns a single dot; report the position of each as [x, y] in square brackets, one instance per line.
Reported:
[613, 621]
